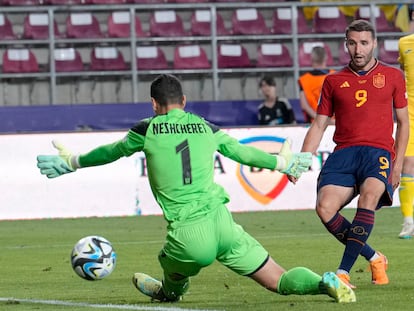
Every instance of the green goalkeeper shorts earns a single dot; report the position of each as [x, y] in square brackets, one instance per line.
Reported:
[197, 244]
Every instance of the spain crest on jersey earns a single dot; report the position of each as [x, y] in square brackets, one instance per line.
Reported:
[379, 80]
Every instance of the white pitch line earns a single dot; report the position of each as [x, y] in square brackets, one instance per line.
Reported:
[97, 306]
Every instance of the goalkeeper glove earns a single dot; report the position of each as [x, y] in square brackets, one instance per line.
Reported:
[56, 165]
[293, 164]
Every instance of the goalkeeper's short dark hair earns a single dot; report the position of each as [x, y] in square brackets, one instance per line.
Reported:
[166, 89]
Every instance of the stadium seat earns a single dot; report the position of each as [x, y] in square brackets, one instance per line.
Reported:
[166, 23]
[305, 51]
[248, 21]
[381, 23]
[329, 20]
[108, 1]
[233, 56]
[82, 25]
[151, 58]
[64, 2]
[343, 55]
[388, 51]
[119, 25]
[201, 24]
[190, 57]
[282, 21]
[36, 26]
[67, 60]
[22, 2]
[273, 55]
[107, 58]
[19, 61]
[6, 28]
[147, 1]
[190, 1]
[233, 1]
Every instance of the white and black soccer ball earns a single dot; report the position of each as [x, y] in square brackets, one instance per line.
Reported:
[93, 258]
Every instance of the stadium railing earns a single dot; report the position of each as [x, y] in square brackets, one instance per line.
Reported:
[44, 48]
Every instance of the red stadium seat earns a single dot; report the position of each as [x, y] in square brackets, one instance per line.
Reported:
[108, 1]
[107, 58]
[82, 25]
[151, 58]
[19, 61]
[190, 57]
[64, 2]
[381, 23]
[248, 22]
[329, 20]
[166, 23]
[273, 55]
[36, 26]
[282, 21]
[67, 60]
[189, 1]
[201, 24]
[119, 25]
[233, 56]
[233, 1]
[147, 1]
[6, 28]
[388, 51]
[22, 2]
[305, 50]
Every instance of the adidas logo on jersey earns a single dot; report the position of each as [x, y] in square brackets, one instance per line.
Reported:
[345, 84]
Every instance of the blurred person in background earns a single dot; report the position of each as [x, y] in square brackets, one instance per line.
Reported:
[310, 83]
[406, 190]
[404, 17]
[273, 110]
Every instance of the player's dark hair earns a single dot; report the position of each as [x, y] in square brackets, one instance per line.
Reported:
[360, 25]
[166, 89]
[268, 80]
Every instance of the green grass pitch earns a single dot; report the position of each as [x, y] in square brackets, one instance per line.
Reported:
[36, 273]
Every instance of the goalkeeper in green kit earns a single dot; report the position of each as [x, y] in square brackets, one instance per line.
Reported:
[179, 147]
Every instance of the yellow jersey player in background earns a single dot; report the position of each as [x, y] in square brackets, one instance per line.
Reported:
[406, 192]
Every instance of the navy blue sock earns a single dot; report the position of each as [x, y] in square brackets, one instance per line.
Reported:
[339, 226]
[358, 234]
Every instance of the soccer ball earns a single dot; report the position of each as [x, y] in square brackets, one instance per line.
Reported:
[93, 258]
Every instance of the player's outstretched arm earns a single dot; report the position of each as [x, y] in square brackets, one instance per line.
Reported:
[293, 164]
[56, 165]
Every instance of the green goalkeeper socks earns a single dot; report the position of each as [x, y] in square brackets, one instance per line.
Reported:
[300, 281]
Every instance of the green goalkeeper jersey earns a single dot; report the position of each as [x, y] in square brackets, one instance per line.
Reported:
[179, 148]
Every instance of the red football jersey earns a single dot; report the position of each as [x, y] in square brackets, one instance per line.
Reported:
[363, 105]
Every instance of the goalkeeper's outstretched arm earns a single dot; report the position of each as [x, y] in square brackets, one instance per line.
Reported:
[65, 162]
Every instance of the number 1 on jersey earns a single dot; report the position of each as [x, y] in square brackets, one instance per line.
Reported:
[184, 150]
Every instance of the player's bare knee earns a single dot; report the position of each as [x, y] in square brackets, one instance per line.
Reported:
[325, 212]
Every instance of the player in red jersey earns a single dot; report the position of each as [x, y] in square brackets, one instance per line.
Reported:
[366, 160]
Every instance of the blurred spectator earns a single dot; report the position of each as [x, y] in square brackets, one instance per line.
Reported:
[310, 83]
[349, 10]
[273, 110]
[404, 18]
